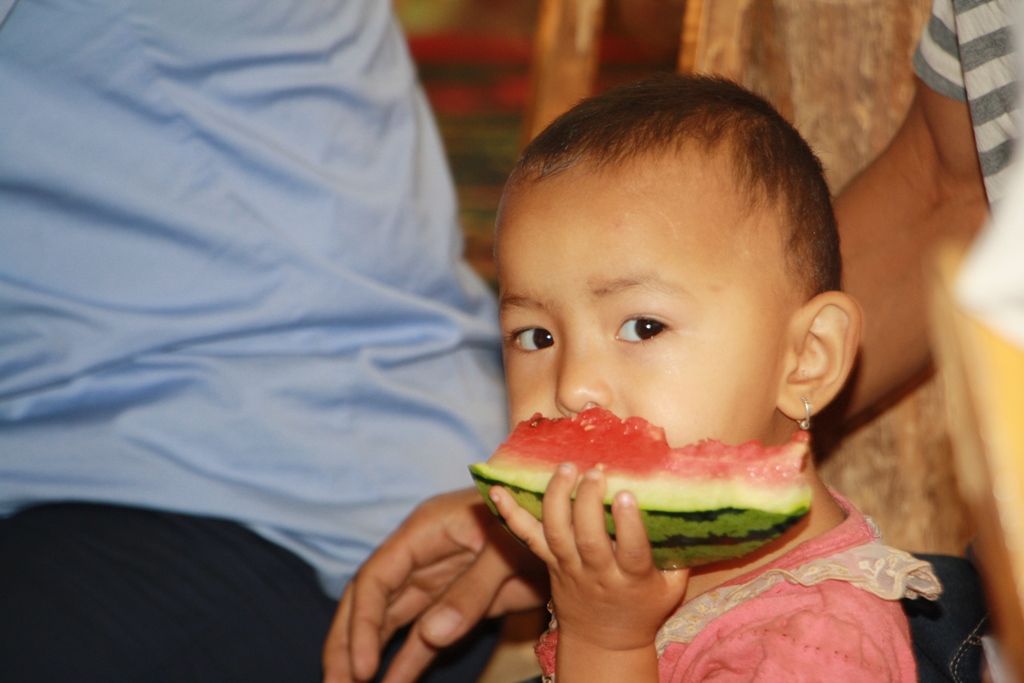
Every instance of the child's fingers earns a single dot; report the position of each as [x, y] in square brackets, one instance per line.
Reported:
[676, 580]
[588, 519]
[632, 549]
[557, 513]
[524, 525]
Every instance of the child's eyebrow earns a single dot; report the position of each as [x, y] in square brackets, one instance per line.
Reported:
[515, 301]
[650, 282]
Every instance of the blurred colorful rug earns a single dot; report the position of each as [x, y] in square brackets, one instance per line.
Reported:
[478, 85]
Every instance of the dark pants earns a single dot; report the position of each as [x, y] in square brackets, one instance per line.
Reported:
[947, 633]
[113, 594]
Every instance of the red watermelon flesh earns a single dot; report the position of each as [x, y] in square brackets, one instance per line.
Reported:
[701, 503]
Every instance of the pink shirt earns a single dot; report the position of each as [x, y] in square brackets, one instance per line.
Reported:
[827, 610]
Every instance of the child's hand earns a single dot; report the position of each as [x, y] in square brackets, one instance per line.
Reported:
[608, 594]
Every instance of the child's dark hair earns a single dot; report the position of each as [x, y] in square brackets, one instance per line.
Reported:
[663, 114]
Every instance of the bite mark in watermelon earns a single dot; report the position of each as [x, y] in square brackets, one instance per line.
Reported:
[701, 503]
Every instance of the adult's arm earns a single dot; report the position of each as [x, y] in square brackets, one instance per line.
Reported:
[926, 186]
[447, 566]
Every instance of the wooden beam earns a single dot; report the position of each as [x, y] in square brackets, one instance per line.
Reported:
[565, 60]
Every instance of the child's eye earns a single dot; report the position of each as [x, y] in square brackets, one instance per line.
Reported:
[640, 329]
[534, 339]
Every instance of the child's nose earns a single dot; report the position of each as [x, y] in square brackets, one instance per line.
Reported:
[582, 384]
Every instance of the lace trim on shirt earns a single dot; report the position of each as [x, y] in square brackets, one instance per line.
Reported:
[873, 567]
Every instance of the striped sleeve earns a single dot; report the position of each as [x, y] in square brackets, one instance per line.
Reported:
[966, 52]
[937, 58]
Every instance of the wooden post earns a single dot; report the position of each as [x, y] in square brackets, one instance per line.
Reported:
[564, 66]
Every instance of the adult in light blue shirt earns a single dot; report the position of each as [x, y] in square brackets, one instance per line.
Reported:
[231, 288]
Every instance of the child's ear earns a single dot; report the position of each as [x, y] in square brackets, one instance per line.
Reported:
[824, 335]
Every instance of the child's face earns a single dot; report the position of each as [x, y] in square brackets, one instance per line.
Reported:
[650, 290]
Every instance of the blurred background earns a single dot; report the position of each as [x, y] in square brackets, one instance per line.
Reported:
[474, 61]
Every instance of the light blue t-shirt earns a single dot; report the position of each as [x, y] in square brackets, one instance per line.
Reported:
[230, 271]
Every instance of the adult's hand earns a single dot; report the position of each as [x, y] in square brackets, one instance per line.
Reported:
[449, 565]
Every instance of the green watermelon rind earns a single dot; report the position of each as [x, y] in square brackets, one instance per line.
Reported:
[683, 538]
[668, 493]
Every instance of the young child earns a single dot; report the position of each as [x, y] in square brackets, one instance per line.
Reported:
[668, 250]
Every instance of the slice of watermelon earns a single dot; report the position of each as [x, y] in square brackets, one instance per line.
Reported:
[700, 503]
